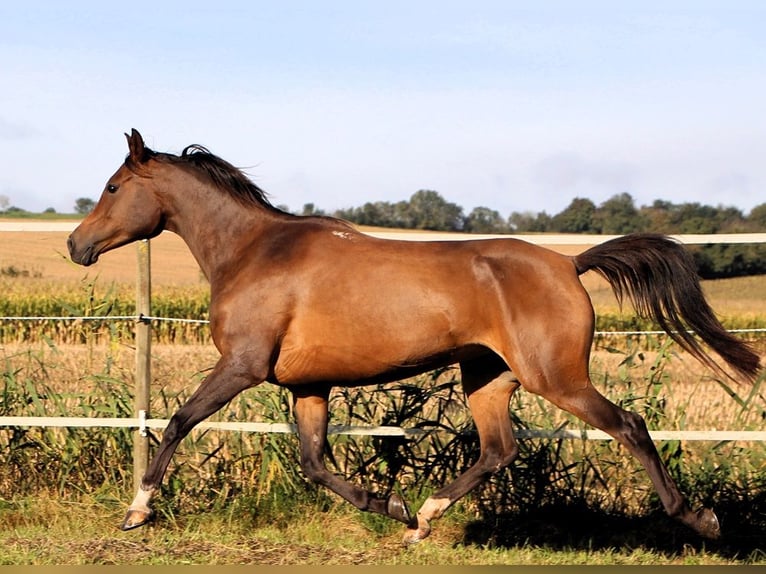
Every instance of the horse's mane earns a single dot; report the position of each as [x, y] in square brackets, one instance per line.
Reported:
[224, 175]
[220, 172]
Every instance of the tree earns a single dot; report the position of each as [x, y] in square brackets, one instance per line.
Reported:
[576, 218]
[617, 215]
[4, 202]
[695, 218]
[429, 210]
[529, 221]
[311, 209]
[84, 205]
[378, 214]
[659, 216]
[757, 217]
[485, 220]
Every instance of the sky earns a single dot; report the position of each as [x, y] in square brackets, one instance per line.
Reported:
[516, 106]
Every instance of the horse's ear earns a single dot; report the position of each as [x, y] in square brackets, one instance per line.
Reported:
[136, 146]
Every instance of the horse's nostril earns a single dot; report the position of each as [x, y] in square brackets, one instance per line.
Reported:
[70, 244]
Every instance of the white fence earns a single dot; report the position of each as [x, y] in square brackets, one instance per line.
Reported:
[543, 239]
[143, 318]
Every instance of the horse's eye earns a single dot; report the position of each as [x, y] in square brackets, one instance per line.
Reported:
[111, 188]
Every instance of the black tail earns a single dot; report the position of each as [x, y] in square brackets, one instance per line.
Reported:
[659, 277]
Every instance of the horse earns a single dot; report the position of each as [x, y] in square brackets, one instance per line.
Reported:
[311, 303]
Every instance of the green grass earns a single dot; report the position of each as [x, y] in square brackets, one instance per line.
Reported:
[45, 216]
[42, 530]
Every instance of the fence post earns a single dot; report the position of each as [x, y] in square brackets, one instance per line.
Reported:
[143, 359]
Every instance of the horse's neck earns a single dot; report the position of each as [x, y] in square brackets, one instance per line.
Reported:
[215, 233]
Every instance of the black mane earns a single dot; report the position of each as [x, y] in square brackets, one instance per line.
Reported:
[220, 172]
[224, 175]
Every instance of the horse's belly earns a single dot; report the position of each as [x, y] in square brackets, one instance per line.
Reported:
[402, 330]
[363, 364]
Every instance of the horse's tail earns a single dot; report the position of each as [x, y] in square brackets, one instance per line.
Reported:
[659, 277]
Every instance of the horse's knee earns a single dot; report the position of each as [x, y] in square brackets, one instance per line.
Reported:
[493, 460]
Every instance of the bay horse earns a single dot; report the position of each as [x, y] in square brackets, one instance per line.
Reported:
[310, 303]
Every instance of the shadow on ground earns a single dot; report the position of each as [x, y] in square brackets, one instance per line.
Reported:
[578, 527]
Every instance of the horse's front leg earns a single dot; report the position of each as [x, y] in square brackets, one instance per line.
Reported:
[228, 379]
[311, 416]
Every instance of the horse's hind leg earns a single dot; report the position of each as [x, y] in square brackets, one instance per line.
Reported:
[551, 360]
[311, 416]
[488, 384]
[630, 430]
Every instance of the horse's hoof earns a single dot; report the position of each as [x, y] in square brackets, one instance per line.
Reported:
[416, 533]
[707, 524]
[397, 509]
[135, 518]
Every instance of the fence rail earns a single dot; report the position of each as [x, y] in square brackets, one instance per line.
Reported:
[143, 425]
[141, 318]
[23, 225]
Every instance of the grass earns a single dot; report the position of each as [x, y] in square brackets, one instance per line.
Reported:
[49, 530]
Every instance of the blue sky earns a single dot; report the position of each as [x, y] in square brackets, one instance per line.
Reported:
[517, 106]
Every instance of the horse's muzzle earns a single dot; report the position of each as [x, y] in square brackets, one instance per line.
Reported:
[87, 256]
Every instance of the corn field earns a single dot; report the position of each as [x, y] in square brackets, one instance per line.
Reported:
[98, 303]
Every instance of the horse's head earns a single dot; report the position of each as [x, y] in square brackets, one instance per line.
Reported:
[128, 210]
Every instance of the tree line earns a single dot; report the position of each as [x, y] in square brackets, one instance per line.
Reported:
[618, 215]
[427, 209]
